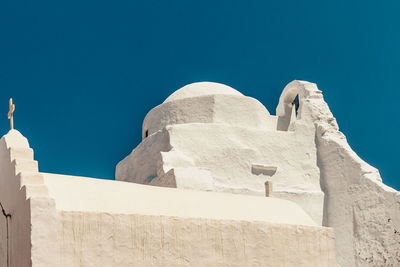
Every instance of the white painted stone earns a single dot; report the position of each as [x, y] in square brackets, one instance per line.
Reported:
[18, 249]
[3, 239]
[230, 143]
[95, 195]
[364, 212]
[207, 136]
[202, 89]
[21, 153]
[24, 165]
[30, 178]
[59, 220]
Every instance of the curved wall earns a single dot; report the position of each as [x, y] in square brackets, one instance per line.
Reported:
[234, 110]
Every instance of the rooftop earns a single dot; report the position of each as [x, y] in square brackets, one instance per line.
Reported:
[200, 89]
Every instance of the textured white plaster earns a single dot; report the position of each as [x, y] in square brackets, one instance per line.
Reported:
[21, 187]
[60, 220]
[3, 240]
[201, 89]
[211, 141]
[207, 140]
[98, 195]
[364, 212]
[143, 240]
[208, 137]
[224, 109]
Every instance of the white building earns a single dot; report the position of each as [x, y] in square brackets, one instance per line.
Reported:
[207, 151]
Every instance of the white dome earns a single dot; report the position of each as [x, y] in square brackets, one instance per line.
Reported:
[201, 89]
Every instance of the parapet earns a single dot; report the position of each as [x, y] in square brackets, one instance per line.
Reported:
[60, 220]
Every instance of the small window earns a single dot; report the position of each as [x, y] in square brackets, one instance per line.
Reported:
[146, 133]
[296, 103]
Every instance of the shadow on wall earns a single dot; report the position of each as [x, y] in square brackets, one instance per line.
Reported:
[291, 106]
[4, 240]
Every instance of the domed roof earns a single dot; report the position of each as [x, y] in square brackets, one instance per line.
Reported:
[201, 89]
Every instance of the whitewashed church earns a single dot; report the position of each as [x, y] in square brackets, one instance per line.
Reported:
[216, 181]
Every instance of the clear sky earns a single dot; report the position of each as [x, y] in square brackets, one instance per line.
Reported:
[83, 74]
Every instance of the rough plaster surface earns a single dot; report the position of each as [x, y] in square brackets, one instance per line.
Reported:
[59, 220]
[364, 212]
[139, 240]
[211, 137]
[3, 241]
[21, 191]
[70, 221]
[197, 89]
[208, 137]
[97, 195]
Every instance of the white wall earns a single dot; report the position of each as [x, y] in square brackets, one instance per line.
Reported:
[59, 220]
[104, 239]
[3, 240]
[17, 249]
[234, 110]
[212, 142]
[308, 151]
[364, 212]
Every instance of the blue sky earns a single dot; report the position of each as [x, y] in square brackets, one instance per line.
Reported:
[83, 74]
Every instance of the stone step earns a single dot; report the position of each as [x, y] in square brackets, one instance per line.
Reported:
[35, 191]
[30, 178]
[24, 165]
[21, 153]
